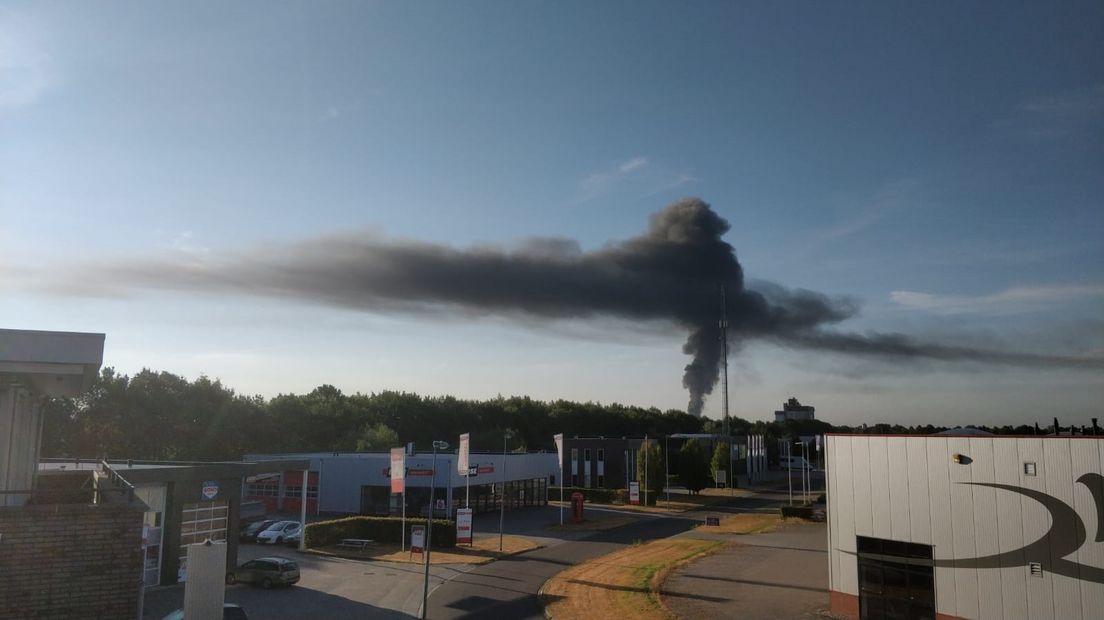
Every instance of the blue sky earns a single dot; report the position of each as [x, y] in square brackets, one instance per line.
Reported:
[938, 162]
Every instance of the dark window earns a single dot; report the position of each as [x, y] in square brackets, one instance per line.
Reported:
[574, 480]
[601, 481]
[601, 455]
[896, 579]
[586, 455]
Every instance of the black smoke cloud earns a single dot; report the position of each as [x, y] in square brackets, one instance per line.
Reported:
[673, 272]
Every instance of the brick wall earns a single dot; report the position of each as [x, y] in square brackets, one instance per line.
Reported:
[70, 561]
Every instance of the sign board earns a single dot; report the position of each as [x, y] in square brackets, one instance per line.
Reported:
[712, 520]
[210, 489]
[398, 470]
[440, 504]
[464, 526]
[462, 458]
[417, 539]
[721, 477]
[473, 471]
[634, 493]
[559, 448]
[206, 573]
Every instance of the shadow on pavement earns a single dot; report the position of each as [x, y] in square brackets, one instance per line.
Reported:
[292, 603]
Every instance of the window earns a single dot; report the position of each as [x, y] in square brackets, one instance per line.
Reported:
[263, 490]
[601, 455]
[601, 481]
[290, 491]
[574, 480]
[896, 579]
[586, 455]
[574, 454]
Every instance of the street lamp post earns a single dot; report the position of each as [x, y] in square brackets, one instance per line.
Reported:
[437, 445]
[502, 507]
[667, 469]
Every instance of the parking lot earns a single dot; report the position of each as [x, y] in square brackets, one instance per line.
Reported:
[328, 588]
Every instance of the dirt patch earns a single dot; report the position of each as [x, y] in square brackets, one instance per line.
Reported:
[484, 550]
[623, 583]
[594, 524]
[746, 523]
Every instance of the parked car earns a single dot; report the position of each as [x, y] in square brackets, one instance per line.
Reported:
[229, 612]
[249, 531]
[278, 532]
[292, 540]
[265, 572]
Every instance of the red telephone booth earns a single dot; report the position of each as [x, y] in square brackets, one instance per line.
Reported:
[576, 507]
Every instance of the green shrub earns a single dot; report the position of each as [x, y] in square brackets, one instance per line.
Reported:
[800, 512]
[380, 529]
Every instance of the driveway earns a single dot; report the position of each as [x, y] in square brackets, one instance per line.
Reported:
[783, 574]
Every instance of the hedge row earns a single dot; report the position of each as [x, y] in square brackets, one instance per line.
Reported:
[380, 529]
[597, 496]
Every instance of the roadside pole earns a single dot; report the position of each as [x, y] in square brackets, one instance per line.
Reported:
[646, 470]
[429, 529]
[667, 468]
[303, 511]
[502, 507]
[558, 438]
[789, 470]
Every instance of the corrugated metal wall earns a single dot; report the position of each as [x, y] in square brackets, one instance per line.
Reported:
[20, 423]
[909, 489]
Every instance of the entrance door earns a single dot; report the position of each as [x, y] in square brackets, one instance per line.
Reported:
[896, 580]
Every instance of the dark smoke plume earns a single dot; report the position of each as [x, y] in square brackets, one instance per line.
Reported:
[673, 272]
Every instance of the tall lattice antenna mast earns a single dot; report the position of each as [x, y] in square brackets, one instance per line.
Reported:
[724, 361]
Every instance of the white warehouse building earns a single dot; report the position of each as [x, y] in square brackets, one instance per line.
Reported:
[966, 527]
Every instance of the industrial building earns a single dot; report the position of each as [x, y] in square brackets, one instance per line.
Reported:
[182, 503]
[346, 483]
[792, 410]
[966, 527]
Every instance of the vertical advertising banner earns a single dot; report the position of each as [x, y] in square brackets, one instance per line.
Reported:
[462, 459]
[398, 470]
[634, 493]
[559, 448]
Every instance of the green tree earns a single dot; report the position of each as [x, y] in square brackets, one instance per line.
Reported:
[694, 471]
[377, 437]
[650, 454]
[722, 460]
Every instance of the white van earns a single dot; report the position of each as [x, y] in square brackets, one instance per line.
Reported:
[794, 462]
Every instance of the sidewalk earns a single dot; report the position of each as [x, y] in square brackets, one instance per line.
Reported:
[782, 574]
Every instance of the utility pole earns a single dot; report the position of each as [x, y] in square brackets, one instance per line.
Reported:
[502, 508]
[724, 363]
[429, 533]
[667, 468]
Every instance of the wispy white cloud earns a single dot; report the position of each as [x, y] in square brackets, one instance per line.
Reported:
[637, 174]
[867, 211]
[1060, 115]
[26, 69]
[1014, 300]
[633, 164]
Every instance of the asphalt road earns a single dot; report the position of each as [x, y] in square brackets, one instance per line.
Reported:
[508, 588]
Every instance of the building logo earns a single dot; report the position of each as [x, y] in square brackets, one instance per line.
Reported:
[1066, 535]
[210, 489]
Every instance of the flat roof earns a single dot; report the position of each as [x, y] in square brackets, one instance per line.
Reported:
[136, 472]
[54, 363]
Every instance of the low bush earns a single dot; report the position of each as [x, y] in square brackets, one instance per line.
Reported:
[380, 529]
[800, 512]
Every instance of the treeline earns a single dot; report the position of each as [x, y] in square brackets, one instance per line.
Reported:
[162, 416]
